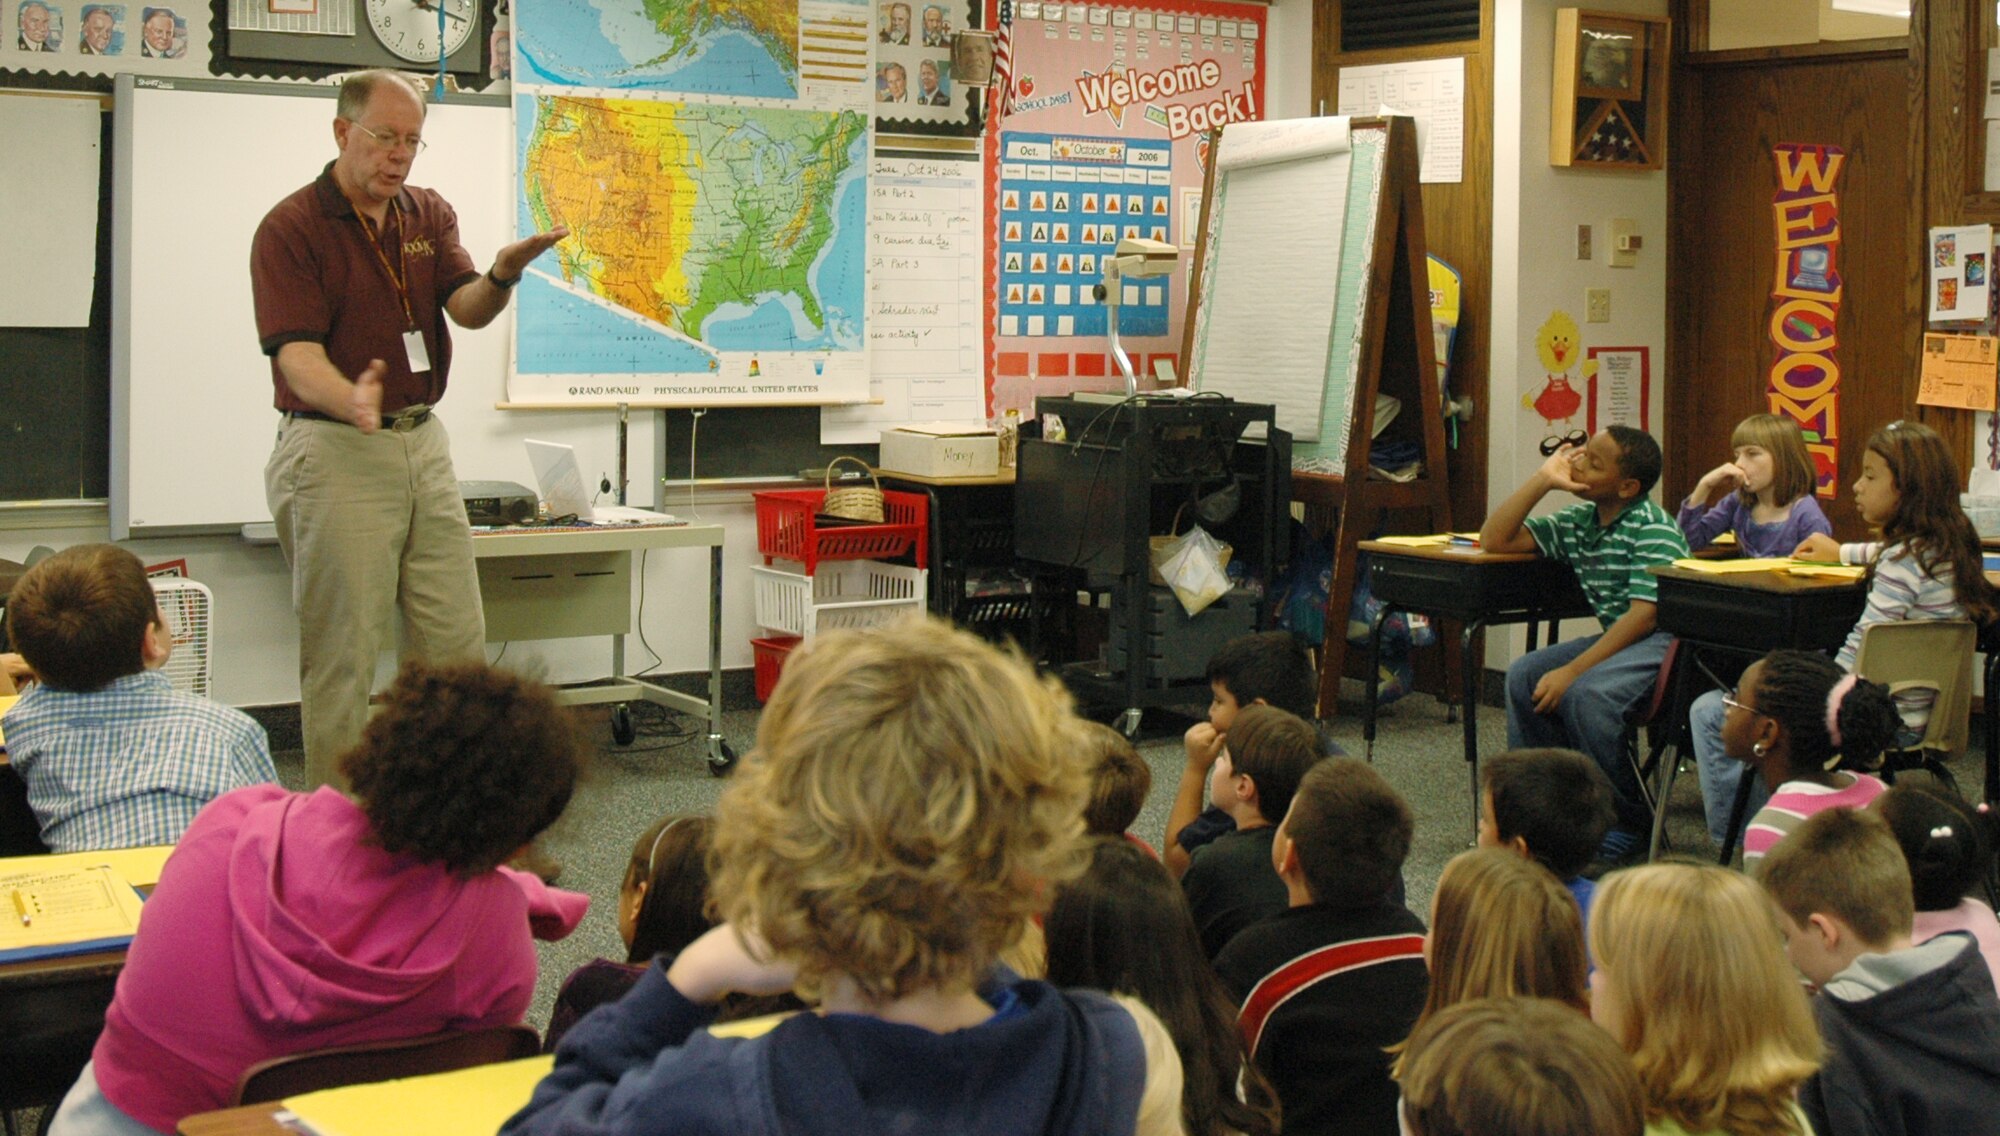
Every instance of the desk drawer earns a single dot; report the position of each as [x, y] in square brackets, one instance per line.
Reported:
[556, 597]
[1719, 615]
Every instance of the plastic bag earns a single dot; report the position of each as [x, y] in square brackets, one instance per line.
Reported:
[1192, 566]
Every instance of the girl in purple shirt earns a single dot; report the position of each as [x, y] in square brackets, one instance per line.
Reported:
[1772, 508]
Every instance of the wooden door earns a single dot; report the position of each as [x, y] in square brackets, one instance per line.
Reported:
[1730, 110]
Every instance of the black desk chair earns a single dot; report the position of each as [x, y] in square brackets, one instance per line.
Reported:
[317, 1069]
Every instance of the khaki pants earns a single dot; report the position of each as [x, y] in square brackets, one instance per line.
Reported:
[369, 523]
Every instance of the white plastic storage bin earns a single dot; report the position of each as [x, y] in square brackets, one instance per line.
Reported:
[842, 594]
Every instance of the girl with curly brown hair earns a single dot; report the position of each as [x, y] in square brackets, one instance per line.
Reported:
[287, 922]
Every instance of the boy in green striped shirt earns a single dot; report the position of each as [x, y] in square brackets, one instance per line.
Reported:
[1575, 694]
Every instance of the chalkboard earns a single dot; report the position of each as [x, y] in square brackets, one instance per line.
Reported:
[748, 442]
[55, 429]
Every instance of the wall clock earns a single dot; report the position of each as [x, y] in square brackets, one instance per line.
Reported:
[408, 29]
[362, 33]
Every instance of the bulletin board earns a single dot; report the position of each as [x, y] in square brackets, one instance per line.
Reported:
[1107, 107]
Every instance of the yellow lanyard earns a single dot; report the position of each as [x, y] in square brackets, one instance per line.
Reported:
[396, 274]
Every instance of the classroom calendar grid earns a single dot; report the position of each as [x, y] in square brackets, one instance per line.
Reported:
[1065, 202]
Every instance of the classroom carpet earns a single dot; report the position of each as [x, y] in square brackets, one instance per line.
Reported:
[1418, 748]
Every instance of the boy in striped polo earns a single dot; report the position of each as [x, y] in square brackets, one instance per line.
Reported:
[1331, 981]
[1575, 694]
[113, 756]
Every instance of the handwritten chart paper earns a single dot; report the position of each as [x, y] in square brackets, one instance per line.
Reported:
[924, 305]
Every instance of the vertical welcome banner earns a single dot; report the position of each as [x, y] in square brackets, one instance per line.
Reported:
[1105, 136]
[1805, 380]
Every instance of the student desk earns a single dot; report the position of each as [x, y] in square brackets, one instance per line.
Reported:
[560, 583]
[51, 1010]
[1478, 589]
[472, 1101]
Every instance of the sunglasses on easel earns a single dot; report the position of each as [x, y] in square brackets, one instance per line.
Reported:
[1555, 442]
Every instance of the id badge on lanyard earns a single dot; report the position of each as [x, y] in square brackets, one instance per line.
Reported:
[413, 339]
[413, 346]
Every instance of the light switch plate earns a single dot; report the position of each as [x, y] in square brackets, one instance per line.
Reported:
[1597, 305]
[1624, 252]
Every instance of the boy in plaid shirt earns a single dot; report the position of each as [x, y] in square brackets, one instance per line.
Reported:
[111, 754]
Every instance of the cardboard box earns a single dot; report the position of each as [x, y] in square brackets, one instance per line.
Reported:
[942, 449]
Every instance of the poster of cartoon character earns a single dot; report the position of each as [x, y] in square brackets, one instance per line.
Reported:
[1558, 401]
[1100, 135]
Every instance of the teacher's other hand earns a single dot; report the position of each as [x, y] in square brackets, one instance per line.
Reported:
[364, 406]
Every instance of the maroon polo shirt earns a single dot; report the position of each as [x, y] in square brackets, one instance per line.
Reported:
[316, 279]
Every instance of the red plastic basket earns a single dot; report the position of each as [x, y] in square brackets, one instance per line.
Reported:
[788, 529]
[769, 656]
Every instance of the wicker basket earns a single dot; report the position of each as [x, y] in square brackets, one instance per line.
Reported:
[855, 503]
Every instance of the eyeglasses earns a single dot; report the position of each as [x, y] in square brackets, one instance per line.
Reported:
[391, 141]
[1554, 442]
[1729, 700]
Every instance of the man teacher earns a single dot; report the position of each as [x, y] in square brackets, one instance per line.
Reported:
[353, 277]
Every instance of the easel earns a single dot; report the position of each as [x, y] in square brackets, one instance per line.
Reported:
[1397, 357]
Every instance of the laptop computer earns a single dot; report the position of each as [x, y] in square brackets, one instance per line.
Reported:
[559, 479]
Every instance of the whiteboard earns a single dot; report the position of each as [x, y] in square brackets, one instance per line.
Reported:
[196, 166]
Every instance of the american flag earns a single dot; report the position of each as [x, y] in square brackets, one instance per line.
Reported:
[1003, 65]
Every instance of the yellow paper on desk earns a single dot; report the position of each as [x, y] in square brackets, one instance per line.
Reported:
[51, 907]
[139, 867]
[465, 1102]
[1829, 571]
[1431, 541]
[1729, 567]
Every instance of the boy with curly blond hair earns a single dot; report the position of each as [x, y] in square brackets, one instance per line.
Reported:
[914, 798]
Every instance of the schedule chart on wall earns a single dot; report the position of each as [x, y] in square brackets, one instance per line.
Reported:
[924, 220]
[1065, 202]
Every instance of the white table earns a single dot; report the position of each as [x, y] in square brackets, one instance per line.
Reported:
[567, 583]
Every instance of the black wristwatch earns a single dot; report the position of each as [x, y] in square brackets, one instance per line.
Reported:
[503, 285]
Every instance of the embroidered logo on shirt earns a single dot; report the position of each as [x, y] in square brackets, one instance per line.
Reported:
[421, 246]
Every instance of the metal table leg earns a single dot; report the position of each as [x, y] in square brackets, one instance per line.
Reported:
[1374, 681]
[719, 756]
[1471, 692]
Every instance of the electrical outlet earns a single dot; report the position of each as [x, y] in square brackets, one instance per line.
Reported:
[1583, 242]
[1597, 305]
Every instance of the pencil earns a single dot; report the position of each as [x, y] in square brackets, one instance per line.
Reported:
[21, 908]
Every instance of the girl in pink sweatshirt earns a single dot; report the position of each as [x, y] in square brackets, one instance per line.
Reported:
[287, 922]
